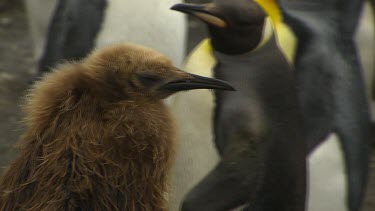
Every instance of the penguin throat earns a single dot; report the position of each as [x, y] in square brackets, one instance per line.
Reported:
[246, 39]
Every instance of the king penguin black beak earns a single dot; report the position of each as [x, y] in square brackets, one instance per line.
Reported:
[197, 82]
[205, 12]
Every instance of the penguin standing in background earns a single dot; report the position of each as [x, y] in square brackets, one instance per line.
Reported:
[332, 92]
[327, 176]
[257, 130]
[79, 26]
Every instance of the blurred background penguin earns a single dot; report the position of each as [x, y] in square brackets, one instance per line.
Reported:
[333, 99]
[70, 29]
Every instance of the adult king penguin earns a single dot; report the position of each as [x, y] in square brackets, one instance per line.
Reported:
[326, 166]
[331, 86]
[79, 26]
[258, 130]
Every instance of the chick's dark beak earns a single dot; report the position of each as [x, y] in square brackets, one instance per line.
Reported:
[204, 12]
[196, 82]
[189, 8]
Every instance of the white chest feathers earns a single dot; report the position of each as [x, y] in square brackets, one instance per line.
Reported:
[327, 187]
[146, 22]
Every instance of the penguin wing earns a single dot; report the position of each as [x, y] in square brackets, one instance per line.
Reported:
[230, 185]
[238, 176]
[72, 31]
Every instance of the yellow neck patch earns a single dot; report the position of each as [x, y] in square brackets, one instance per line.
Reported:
[272, 9]
[201, 60]
[285, 37]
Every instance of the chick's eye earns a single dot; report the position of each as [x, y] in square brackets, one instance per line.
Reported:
[148, 80]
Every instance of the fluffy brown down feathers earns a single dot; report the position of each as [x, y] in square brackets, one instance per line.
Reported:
[90, 143]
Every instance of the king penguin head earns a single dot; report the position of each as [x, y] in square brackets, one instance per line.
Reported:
[235, 26]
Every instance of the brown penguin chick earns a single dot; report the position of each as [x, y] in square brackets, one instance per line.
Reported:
[98, 136]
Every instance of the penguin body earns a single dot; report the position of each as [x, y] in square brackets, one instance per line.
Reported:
[98, 136]
[331, 86]
[328, 160]
[258, 130]
[328, 176]
[72, 31]
[77, 27]
[259, 134]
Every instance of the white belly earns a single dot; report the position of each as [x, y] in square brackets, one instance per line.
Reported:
[39, 14]
[193, 111]
[365, 40]
[327, 189]
[146, 22]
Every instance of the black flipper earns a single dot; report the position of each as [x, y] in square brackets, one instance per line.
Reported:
[356, 157]
[228, 186]
[72, 31]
